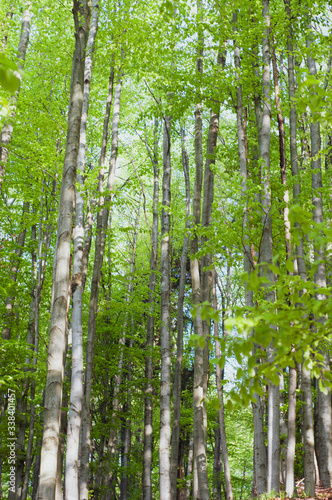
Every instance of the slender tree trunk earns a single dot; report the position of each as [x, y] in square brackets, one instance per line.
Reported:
[7, 130]
[43, 245]
[112, 442]
[126, 431]
[189, 481]
[179, 350]
[299, 264]
[200, 472]
[217, 464]
[76, 392]
[266, 255]
[148, 414]
[102, 222]
[223, 439]
[53, 394]
[165, 376]
[308, 434]
[258, 410]
[22, 402]
[291, 441]
[323, 399]
[282, 155]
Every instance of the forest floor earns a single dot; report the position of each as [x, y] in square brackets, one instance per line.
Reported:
[320, 493]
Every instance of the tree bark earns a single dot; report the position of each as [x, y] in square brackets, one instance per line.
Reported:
[257, 408]
[76, 391]
[179, 348]
[223, 439]
[102, 221]
[53, 393]
[291, 441]
[266, 256]
[282, 155]
[323, 400]
[165, 375]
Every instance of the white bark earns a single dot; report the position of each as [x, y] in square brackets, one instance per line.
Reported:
[102, 222]
[76, 391]
[57, 344]
[179, 349]
[148, 413]
[165, 376]
[324, 448]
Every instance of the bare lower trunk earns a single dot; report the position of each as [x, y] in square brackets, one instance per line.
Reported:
[179, 350]
[223, 439]
[165, 376]
[291, 441]
[308, 434]
[148, 414]
[102, 222]
[217, 464]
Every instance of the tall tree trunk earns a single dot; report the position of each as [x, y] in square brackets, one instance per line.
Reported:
[126, 429]
[217, 463]
[291, 432]
[22, 402]
[76, 391]
[223, 439]
[148, 437]
[165, 375]
[266, 255]
[282, 154]
[112, 441]
[43, 246]
[257, 408]
[179, 348]
[323, 398]
[7, 130]
[102, 222]
[200, 484]
[57, 344]
[299, 263]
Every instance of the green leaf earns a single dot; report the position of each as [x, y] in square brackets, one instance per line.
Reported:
[201, 342]
[290, 265]
[8, 80]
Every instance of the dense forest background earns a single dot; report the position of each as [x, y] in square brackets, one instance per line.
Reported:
[165, 249]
